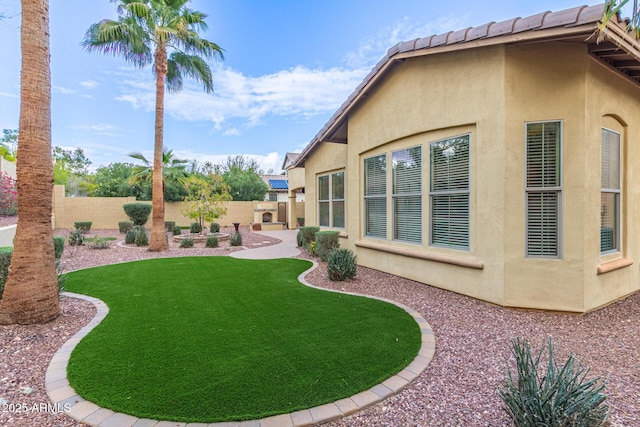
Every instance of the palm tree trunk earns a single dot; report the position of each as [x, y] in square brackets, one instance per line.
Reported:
[158, 240]
[31, 291]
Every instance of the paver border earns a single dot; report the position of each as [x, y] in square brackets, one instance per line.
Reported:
[61, 393]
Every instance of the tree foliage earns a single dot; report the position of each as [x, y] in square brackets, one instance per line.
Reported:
[206, 199]
[241, 174]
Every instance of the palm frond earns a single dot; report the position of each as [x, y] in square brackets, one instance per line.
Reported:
[192, 66]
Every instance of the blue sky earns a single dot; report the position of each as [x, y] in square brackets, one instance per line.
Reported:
[288, 66]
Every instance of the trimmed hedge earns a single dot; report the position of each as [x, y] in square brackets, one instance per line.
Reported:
[306, 235]
[58, 246]
[137, 212]
[84, 226]
[326, 241]
[169, 225]
[124, 226]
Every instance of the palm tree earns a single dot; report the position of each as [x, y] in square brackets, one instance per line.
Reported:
[163, 33]
[173, 169]
[31, 290]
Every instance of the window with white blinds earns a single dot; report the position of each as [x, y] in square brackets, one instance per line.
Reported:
[407, 194]
[331, 200]
[337, 200]
[543, 189]
[610, 193]
[323, 201]
[375, 196]
[449, 192]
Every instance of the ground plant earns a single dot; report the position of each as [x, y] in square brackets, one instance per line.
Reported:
[341, 264]
[85, 226]
[177, 230]
[169, 225]
[124, 226]
[187, 242]
[326, 241]
[224, 339]
[212, 242]
[195, 228]
[215, 227]
[58, 246]
[138, 213]
[554, 395]
[98, 242]
[8, 195]
[307, 235]
[235, 239]
[75, 237]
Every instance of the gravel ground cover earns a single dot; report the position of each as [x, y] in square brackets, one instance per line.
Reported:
[460, 386]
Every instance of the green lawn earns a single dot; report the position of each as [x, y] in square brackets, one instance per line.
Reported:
[205, 339]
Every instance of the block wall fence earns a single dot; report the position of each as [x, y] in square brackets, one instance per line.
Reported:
[106, 212]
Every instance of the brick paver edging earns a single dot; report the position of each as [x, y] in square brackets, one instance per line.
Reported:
[61, 393]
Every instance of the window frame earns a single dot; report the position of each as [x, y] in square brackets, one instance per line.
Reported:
[435, 194]
[557, 190]
[330, 201]
[378, 196]
[397, 195]
[617, 192]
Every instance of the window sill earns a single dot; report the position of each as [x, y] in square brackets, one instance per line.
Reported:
[413, 253]
[614, 265]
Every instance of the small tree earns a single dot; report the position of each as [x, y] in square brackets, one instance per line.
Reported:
[206, 200]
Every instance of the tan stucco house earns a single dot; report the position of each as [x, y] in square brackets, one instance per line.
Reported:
[500, 162]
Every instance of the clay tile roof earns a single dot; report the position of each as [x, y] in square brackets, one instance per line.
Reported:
[530, 22]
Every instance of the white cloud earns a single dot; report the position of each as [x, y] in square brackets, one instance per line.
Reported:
[63, 90]
[105, 129]
[271, 160]
[89, 84]
[9, 95]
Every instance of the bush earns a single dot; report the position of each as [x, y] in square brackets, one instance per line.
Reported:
[186, 242]
[169, 225]
[235, 239]
[8, 195]
[99, 243]
[212, 242]
[311, 248]
[130, 237]
[5, 260]
[341, 264]
[307, 235]
[215, 227]
[84, 226]
[125, 226]
[195, 228]
[177, 231]
[142, 238]
[58, 246]
[561, 396]
[326, 241]
[137, 212]
[75, 237]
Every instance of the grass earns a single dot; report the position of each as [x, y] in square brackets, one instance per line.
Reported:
[206, 339]
[92, 239]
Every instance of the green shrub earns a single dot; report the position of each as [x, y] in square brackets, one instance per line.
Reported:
[98, 243]
[142, 238]
[177, 231]
[130, 237]
[5, 260]
[556, 396]
[307, 235]
[215, 227]
[124, 226]
[299, 242]
[195, 228]
[186, 242]
[212, 242]
[341, 264]
[235, 239]
[326, 241]
[58, 246]
[75, 237]
[84, 226]
[137, 212]
[169, 225]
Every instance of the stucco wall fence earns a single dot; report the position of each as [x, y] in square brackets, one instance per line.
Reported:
[106, 212]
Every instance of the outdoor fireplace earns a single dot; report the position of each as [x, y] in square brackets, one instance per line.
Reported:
[267, 217]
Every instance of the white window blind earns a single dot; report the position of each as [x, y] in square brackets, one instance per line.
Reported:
[375, 196]
[323, 201]
[610, 193]
[407, 195]
[543, 188]
[337, 199]
[449, 192]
